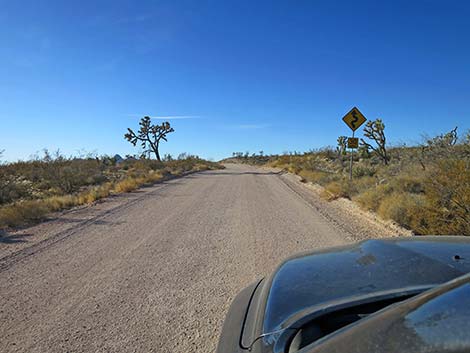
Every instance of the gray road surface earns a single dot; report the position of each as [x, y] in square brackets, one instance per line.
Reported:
[156, 271]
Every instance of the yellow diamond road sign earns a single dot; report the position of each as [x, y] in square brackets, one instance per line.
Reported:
[354, 119]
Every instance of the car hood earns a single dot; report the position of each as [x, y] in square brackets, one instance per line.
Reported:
[434, 322]
[314, 281]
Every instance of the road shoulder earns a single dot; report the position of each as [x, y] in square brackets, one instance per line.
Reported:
[26, 241]
[343, 213]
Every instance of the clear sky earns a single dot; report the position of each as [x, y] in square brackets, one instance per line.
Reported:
[232, 75]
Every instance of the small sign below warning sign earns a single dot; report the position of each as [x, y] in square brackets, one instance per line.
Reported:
[353, 142]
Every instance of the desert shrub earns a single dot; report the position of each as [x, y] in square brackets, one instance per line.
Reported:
[58, 173]
[12, 189]
[404, 208]
[371, 199]
[392, 181]
[294, 168]
[448, 192]
[16, 214]
[142, 164]
[360, 171]
[412, 185]
[328, 178]
[94, 194]
[312, 175]
[438, 203]
[425, 188]
[337, 189]
[153, 177]
[364, 183]
[126, 185]
[57, 203]
[199, 167]
[30, 190]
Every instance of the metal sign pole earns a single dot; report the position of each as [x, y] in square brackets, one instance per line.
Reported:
[353, 119]
[351, 161]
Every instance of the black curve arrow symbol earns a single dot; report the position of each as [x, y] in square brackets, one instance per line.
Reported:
[355, 120]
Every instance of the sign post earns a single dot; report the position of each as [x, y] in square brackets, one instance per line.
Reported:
[354, 119]
[351, 159]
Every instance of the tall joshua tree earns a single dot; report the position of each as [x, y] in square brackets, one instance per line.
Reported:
[374, 130]
[342, 142]
[149, 135]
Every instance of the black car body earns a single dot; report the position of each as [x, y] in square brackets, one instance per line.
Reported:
[395, 295]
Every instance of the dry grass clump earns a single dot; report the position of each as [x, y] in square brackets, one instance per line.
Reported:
[312, 176]
[447, 189]
[14, 215]
[126, 185]
[404, 208]
[94, 194]
[57, 203]
[436, 202]
[371, 199]
[337, 189]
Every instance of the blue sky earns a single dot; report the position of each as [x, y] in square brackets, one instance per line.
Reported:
[232, 75]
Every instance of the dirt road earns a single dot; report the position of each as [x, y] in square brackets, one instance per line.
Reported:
[152, 271]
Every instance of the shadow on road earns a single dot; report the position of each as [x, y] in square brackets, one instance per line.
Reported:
[13, 238]
[99, 222]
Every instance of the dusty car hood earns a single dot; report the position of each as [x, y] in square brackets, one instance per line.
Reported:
[314, 280]
[362, 268]
[435, 321]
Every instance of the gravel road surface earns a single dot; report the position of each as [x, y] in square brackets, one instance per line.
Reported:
[154, 270]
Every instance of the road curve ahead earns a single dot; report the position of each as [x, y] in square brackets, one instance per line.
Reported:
[157, 272]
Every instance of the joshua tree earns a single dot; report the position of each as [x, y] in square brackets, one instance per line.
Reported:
[149, 135]
[363, 151]
[342, 144]
[443, 141]
[438, 147]
[374, 130]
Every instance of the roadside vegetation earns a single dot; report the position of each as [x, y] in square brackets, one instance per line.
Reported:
[424, 188]
[30, 190]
